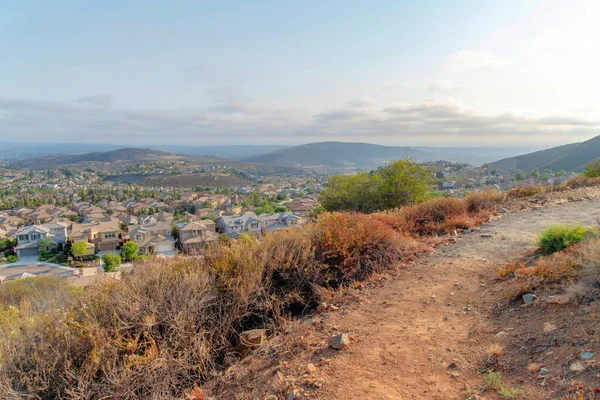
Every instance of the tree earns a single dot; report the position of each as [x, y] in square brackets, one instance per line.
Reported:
[130, 251]
[535, 174]
[400, 183]
[44, 243]
[111, 262]
[519, 176]
[592, 169]
[279, 209]
[79, 249]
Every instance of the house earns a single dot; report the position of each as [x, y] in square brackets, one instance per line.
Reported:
[153, 238]
[29, 236]
[104, 235]
[235, 225]
[196, 235]
[276, 221]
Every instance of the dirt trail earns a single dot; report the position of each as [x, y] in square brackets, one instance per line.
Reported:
[437, 312]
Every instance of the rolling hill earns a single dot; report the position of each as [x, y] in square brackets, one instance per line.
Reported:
[120, 155]
[339, 155]
[570, 157]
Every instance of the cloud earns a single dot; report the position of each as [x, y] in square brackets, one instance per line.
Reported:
[231, 117]
[102, 100]
[468, 61]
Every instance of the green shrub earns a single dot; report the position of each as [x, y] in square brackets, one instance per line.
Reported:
[399, 183]
[111, 262]
[592, 169]
[559, 237]
[11, 259]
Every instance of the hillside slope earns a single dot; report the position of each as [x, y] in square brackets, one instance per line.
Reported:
[570, 157]
[339, 155]
[120, 155]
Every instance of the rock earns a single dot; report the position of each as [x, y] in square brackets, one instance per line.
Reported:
[432, 297]
[585, 310]
[322, 307]
[487, 235]
[333, 308]
[586, 355]
[558, 299]
[454, 374]
[310, 368]
[577, 367]
[251, 339]
[528, 298]
[543, 371]
[501, 334]
[452, 365]
[293, 394]
[473, 397]
[279, 383]
[271, 397]
[549, 327]
[339, 342]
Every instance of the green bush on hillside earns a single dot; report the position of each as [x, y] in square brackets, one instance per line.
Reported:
[559, 237]
[399, 183]
[592, 169]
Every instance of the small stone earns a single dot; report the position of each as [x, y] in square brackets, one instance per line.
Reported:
[473, 397]
[339, 342]
[293, 394]
[558, 299]
[501, 334]
[446, 317]
[577, 367]
[310, 368]
[585, 310]
[528, 298]
[549, 327]
[454, 374]
[432, 297]
[279, 383]
[543, 371]
[333, 308]
[486, 235]
[586, 355]
[322, 307]
[452, 365]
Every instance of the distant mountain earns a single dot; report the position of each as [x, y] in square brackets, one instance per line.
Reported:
[120, 155]
[570, 157]
[225, 151]
[339, 155]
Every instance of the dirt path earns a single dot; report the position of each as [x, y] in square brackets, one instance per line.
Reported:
[437, 312]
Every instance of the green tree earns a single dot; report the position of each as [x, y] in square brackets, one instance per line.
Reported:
[130, 251]
[44, 243]
[519, 176]
[399, 183]
[111, 262]
[79, 249]
[535, 174]
[592, 169]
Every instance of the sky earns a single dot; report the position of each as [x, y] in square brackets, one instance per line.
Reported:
[471, 73]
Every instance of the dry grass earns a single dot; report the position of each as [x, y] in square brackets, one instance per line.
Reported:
[533, 367]
[581, 181]
[487, 200]
[526, 191]
[496, 350]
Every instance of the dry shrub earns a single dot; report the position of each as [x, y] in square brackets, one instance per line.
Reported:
[431, 216]
[590, 259]
[486, 200]
[554, 268]
[525, 191]
[581, 181]
[353, 246]
[149, 336]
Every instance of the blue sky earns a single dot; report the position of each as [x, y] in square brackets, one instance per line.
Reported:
[464, 73]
